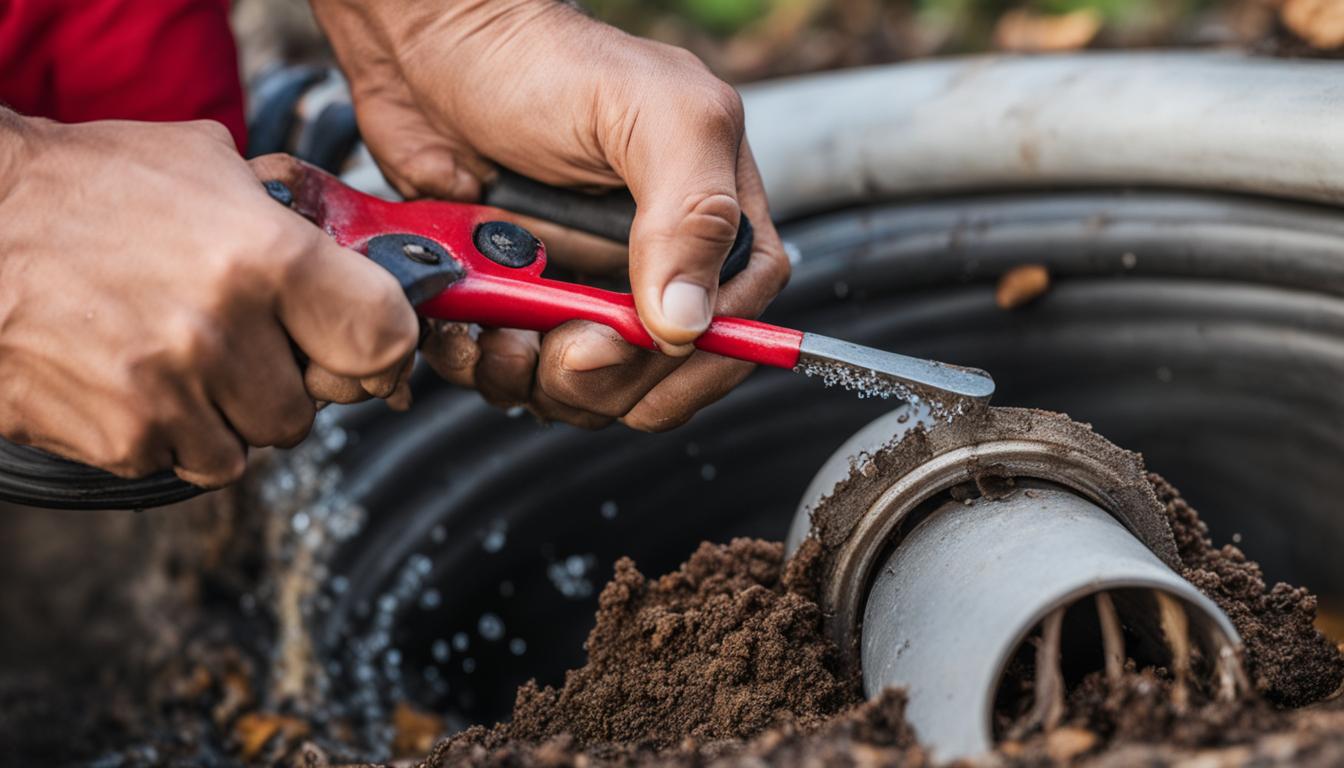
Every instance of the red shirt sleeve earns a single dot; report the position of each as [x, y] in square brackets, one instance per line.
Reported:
[160, 60]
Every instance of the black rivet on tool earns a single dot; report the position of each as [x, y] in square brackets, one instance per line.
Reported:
[419, 253]
[507, 244]
[279, 192]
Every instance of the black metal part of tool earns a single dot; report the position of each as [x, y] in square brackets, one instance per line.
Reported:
[609, 215]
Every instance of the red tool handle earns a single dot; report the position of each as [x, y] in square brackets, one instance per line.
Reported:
[540, 304]
[507, 290]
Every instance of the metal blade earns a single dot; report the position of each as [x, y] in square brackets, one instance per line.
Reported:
[948, 389]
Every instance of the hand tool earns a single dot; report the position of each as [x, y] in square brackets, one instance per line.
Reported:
[467, 263]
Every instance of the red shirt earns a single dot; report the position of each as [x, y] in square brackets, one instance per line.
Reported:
[160, 60]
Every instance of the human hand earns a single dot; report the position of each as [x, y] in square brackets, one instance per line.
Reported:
[150, 291]
[445, 90]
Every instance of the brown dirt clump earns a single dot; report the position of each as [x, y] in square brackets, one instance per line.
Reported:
[726, 646]
[1290, 662]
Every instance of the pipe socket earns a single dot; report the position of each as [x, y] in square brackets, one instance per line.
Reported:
[947, 547]
[957, 599]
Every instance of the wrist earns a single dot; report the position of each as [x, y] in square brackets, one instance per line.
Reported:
[15, 135]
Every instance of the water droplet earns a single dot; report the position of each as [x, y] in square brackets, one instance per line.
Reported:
[517, 646]
[393, 657]
[339, 584]
[468, 665]
[431, 599]
[495, 537]
[300, 522]
[609, 510]
[1236, 538]
[490, 626]
[1129, 261]
[439, 534]
[574, 565]
[387, 603]
[460, 641]
[440, 651]
[708, 472]
[868, 383]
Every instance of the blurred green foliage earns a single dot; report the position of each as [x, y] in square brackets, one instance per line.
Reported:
[725, 17]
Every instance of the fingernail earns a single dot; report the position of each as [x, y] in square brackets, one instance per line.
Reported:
[592, 350]
[686, 305]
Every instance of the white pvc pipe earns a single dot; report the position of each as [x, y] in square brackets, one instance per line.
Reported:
[1195, 120]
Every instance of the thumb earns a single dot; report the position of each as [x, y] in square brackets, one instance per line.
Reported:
[684, 180]
[345, 312]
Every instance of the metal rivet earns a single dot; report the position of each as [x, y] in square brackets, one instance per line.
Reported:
[418, 252]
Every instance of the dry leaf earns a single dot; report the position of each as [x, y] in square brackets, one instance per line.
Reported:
[1319, 22]
[1025, 31]
[415, 731]
[255, 730]
[1022, 285]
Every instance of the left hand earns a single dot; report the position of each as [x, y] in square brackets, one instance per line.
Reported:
[444, 90]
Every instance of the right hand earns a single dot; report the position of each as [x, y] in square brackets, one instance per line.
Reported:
[150, 290]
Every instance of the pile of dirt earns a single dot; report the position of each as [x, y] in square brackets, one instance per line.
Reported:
[1291, 664]
[723, 648]
[724, 662]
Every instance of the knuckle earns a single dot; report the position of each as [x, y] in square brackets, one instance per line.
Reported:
[295, 424]
[189, 341]
[712, 218]
[212, 130]
[723, 105]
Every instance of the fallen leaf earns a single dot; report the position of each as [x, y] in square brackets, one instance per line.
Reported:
[1064, 744]
[1025, 31]
[1022, 285]
[255, 730]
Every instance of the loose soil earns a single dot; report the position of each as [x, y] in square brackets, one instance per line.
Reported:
[725, 662]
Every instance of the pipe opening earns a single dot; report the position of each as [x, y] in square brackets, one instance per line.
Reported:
[1107, 634]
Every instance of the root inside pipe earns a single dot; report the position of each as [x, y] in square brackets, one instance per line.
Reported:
[1112, 637]
[1176, 629]
[1047, 709]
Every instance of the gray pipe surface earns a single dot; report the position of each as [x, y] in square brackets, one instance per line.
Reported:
[960, 593]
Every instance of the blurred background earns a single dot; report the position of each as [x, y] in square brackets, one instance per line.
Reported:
[746, 40]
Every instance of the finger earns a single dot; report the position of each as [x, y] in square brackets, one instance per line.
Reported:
[206, 452]
[451, 351]
[259, 389]
[400, 398]
[589, 367]
[508, 363]
[548, 409]
[683, 174]
[323, 386]
[575, 250]
[384, 384]
[345, 312]
[417, 159]
[701, 381]
[278, 166]
[705, 378]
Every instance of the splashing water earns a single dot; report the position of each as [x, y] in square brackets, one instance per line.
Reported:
[866, 383]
